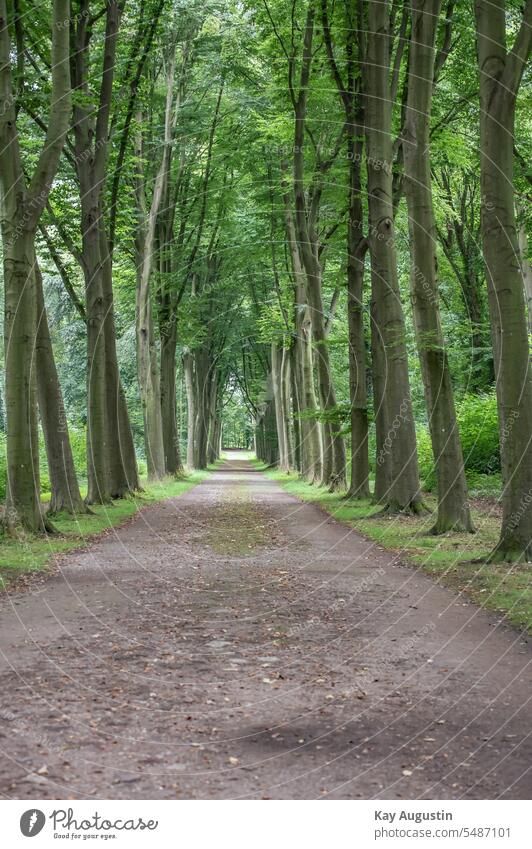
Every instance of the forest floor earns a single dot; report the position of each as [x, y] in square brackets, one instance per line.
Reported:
[239, 643]
[22, 557]
[455, 559]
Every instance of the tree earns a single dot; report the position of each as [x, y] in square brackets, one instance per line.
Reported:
[453, 508]
[501, 70]
[351, 96]
[22, 204]
[112, 469]
[392, 390]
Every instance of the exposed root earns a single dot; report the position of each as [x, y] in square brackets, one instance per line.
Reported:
[503, 554]
[360, 494]
[414, 508]
[458, 527]
[336, 484]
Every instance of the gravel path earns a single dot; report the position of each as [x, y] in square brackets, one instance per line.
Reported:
[236, 643]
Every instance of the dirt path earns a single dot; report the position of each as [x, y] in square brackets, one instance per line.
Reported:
[237, 643]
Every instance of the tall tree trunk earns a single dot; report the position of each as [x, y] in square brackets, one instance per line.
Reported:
[286, 387]
[20, 321]
[64, 483]
[309, 433]
[383, 473]
[212, 445]
[22, 205]
[201, 402]
[123, 469]
[188, 368]
[333, 448]
[453, 508]
[172, 455]
[296, 418]
[91, 151]
[147, 365]
[400, 441]
[267, 434]
[500, 76]
[348, 85]
[356, 251]
[278, 399]
[526, 268]
[148, 375]
[98, 448]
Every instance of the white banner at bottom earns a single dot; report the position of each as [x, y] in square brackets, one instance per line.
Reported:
[266, 824]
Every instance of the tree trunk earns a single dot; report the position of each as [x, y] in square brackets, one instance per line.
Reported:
[147, 365]
[123, 469]
[286, 386]
[266, 432]
[309, 434]
[500, 77]
[98, 449]
[356, 251]
[172, 455]
[278, 399]
[383, 472]
[22, 440]
[333, 448]
[64, 483]
[188, 368]
[91, 150]
[22, 206]
[526, 268]
[453, 508]
[400, 440]
[296, 421]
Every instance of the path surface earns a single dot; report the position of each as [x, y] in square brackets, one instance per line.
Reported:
[237, 643]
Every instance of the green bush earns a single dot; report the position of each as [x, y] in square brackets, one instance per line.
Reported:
[427, 470]
[78, 441]
[479, 432]
[79, 451]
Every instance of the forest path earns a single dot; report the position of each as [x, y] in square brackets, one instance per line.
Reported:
[236, 642]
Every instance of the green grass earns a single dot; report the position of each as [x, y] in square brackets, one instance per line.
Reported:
[504, 588]
[36, 553]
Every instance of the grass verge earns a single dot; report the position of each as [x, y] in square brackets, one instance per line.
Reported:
[505, 588]
[19, 557]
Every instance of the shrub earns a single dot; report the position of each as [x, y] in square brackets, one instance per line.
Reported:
[479, 432]
[79, 451]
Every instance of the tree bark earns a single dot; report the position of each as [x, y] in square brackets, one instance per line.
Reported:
[356, 251]
[109, 441]
[279, 400]
[64, 483]
[22, 205]
[201, 403]
[453, 508]
[309, 434]
[188, 368]
[333, 472]
[526, 268]
[400, 440]
[286, 387]
[147, 365]
[347, 83]
[500, 76]
[123, 469]
[172, 455]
